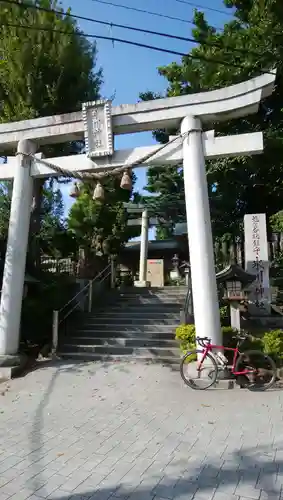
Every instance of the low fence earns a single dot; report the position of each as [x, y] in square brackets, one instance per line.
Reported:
[228, 251]
[83, 300]
[59, 266]
[72, 267]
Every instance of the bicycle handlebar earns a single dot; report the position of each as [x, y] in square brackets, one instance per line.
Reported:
[203, 341]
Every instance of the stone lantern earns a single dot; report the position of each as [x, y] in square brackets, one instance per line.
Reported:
[236, 282]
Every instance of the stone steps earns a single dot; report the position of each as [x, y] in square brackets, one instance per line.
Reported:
[122, 350]
[139, 325]
[141, 309]
[123, 341]
[88, 333]
[127, 314]
[130, 327]
[133, 320]
[127, 358]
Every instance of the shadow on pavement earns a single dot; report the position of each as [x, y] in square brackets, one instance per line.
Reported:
[255, 473]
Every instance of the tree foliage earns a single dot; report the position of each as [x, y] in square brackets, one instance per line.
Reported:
[249, 44]
[5, 200]
[53, 238]
[101, 227]
[44, 73]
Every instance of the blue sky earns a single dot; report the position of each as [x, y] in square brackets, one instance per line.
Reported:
[130, 70]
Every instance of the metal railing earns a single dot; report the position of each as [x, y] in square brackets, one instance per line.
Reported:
[187, 311]
[60, 316]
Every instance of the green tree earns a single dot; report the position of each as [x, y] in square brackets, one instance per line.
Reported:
[100, 228]
[53, 238]
[249, 44]
[5, 200]
[44, 73]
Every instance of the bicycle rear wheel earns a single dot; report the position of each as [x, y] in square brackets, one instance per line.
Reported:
[200, 379]
[264, 373]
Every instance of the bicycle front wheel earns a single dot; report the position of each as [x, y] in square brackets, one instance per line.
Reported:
[201, 378]
[261, 373]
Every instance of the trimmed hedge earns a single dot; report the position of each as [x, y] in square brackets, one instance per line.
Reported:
[271, 342]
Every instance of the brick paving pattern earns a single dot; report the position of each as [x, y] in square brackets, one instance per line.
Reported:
[97, 431]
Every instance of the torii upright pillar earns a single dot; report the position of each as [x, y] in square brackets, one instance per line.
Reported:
[15, 260]
[204, 287]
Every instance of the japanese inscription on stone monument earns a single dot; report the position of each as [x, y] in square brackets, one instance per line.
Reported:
[256, 259]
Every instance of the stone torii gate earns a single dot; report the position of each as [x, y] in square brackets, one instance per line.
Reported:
[97, 124]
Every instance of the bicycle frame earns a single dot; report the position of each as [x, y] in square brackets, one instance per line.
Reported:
[210, 347]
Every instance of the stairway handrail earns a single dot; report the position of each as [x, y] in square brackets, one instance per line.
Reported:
[90, 282]
[188, 308]
[100, 277]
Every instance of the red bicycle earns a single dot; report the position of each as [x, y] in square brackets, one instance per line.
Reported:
[252, 369]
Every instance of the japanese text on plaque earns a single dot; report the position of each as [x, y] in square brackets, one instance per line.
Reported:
[257, 263]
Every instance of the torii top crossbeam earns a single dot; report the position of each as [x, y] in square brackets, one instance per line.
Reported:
[217, 105]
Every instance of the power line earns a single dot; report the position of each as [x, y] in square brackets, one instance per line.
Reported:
[204, 7]
[128, 27]
[129, 42]
[19, 3]
[144, 11]
[100, 37]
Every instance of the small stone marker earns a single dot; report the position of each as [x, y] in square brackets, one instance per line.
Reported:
[257, 262]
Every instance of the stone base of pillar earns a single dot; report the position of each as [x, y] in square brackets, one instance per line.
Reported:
[11, 366]
[142, 284]
[9, 360]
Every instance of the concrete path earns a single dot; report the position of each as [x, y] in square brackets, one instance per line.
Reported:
[92, 431]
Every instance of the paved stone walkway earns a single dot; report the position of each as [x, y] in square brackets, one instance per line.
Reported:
[92, 431]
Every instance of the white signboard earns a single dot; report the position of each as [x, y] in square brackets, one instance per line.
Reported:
[257, 262]
[98, 128]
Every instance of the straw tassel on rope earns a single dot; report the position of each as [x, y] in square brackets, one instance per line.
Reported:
[126, 181]
[98, 193]
[75, 191]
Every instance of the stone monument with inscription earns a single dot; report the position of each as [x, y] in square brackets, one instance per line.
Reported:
[257, 263]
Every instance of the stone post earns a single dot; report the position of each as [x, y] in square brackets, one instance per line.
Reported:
[257, 263]
[143, 249]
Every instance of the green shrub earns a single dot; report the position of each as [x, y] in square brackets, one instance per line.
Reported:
[36, 321]
[224, 315]
[227, 335]
[273, 344]
[186, 335]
